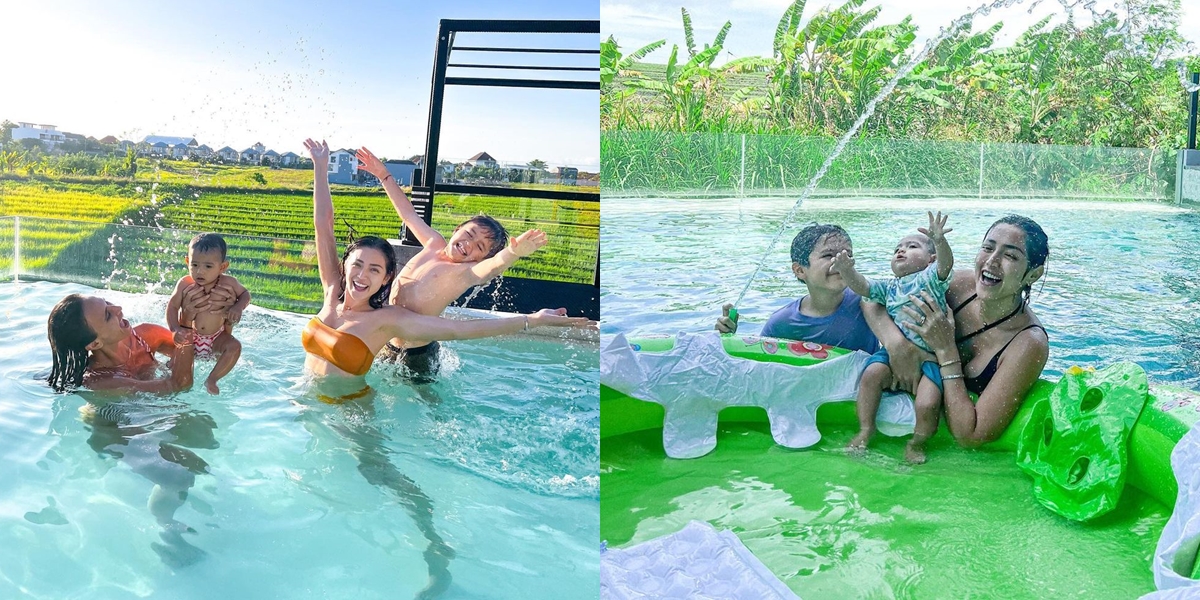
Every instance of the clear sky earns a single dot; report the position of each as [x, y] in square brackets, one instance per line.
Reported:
[636, 23]
[231, 72]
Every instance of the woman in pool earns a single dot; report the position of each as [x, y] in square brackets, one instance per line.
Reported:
[95, 346]
[355, 321]
[990, 343]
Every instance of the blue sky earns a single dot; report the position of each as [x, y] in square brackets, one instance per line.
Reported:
[234, 73]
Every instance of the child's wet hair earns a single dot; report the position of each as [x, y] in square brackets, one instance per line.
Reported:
[806, 240]
[208, 242]
[495, 232]
[378, 299]
[930, 247]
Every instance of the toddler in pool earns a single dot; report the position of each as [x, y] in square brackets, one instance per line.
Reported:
[921, 262]
[210, 332]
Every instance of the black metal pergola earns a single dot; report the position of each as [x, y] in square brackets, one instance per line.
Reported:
[518, 294]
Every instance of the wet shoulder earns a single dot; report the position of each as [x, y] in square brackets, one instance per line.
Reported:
[962, 285]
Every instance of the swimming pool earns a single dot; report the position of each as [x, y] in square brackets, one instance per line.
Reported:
[1121, 286]
[494, 466]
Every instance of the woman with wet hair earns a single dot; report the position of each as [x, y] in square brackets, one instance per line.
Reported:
[95, 346]
[990, 343]
[354, 323]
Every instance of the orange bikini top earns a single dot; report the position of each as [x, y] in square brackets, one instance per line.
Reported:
[344, 350]
[139, 350]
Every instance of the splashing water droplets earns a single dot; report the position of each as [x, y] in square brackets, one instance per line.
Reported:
[1135, 42]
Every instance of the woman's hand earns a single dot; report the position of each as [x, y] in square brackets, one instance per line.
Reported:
[371, 164]
[933, 324]
[193, 302]
[558, 318]
[221, 298]
[319, 153]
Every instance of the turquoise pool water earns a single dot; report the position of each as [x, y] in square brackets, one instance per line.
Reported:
[287, 496]
[1123, 279]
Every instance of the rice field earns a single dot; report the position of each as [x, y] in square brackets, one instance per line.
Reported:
[123, 234]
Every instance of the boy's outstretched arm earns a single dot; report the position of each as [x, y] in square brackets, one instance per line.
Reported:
[428, 236]
[844, 263]
[937, 234]
[521, 246]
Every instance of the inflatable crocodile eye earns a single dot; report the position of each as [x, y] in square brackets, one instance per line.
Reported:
[1078, 470]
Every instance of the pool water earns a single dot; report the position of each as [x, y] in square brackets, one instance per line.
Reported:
[838, 526]
[490, 474]
[1123, 284]
[1123, 279]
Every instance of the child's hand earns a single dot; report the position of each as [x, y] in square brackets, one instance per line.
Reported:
[371, 164]
[527, 243]
[936, 231]
[319, 152]
[234, 316]
[843, 262]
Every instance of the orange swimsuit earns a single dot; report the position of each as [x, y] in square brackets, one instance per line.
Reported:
[344, 350]
[140, 357]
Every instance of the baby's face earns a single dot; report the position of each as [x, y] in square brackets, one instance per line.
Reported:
[205, 267]
[912, 255]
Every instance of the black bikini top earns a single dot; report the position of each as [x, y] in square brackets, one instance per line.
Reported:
[986, 326]
[980, 382]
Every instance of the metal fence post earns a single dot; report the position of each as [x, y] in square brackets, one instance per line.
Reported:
[16, 248]
[742, 177]
[980, 170]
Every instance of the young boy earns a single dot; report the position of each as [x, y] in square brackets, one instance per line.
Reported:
[443, 270]
[210, 332]
[921, 262]
[830, 313]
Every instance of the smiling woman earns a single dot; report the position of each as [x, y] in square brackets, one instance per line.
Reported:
[94, 345]
[353, 324]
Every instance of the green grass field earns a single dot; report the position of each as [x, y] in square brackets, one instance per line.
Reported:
[133, 234]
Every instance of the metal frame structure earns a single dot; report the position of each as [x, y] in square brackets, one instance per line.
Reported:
[1192, 109]
[580, 299]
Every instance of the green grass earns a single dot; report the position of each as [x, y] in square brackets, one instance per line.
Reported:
[665, 163]
[268, 228]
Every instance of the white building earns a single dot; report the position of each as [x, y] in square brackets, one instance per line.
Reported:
[49, 136]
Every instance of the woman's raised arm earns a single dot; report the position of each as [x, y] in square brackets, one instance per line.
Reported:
[410, 325]
[327, 258]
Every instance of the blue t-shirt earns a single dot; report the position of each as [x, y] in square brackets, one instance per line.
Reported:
[845, 328]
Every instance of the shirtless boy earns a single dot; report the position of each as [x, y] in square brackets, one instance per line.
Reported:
[443, 270]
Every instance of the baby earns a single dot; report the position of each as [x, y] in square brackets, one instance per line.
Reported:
[210, 332]
[922, 262]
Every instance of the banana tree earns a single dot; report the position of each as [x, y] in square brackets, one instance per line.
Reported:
[686, 88]
[613, 107]
[824, 72]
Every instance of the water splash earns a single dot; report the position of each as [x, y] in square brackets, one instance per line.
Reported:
[1135, 42]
